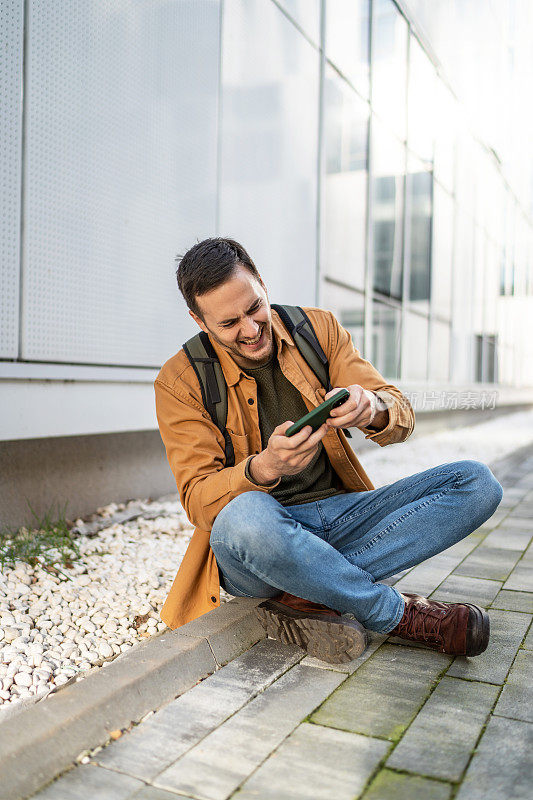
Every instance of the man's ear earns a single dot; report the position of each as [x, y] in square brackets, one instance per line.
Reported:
[198, 321]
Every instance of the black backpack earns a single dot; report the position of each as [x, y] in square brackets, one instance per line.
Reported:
[206, 365]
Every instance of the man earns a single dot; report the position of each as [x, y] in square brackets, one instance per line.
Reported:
[296, 519]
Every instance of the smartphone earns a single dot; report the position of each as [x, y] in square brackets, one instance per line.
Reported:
[319, 415]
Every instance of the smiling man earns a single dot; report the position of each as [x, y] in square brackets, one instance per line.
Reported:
[296, 519]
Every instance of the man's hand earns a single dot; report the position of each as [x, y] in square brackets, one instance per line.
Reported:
[361, 409]
[286, 455]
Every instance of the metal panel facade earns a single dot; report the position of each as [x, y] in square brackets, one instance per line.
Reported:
[121, 145]
[11, 44]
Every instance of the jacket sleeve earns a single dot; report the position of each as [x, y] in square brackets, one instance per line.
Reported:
[195, 452]
[347, 367]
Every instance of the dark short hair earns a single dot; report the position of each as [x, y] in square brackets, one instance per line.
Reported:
[209, 264]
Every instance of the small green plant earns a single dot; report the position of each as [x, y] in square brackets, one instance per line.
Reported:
[47, 543]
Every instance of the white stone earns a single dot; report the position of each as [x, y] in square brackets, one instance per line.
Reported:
[23, 679]
[10, 634]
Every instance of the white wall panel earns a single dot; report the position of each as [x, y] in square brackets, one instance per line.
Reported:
[121, 173]
[270, 76]
[11, 43]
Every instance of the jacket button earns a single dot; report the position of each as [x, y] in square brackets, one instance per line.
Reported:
[213, 599]
[251, 401]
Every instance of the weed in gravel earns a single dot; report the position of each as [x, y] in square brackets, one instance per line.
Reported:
[48, 543]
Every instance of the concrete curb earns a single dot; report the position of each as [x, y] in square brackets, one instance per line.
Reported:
[46, 738]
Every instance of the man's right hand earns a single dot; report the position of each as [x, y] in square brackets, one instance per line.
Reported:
[286, 455]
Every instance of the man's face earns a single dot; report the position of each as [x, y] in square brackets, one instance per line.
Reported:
[237, 315]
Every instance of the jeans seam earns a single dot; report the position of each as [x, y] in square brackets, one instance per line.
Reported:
[396, 522]
[354, 514]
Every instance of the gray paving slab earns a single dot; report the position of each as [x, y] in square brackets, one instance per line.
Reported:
[510, 600]
[502, 767]
[151, 747]
[519, 519]
[441, 738]
[507, 630]
[215, 768]
[528, 641]
[515, 699]
[390, 785]
[508, 538]
[493, 563]
[460, 589]
[316, 763]
[426, 577]
[376, 640]
[521, 578]
[90, 781]
[385, 693]
[153, 793]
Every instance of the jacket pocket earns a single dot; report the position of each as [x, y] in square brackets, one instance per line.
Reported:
[241, 445]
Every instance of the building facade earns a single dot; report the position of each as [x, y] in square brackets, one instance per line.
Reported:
[372, 156]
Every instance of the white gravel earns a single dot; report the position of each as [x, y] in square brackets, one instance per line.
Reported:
[54, 629]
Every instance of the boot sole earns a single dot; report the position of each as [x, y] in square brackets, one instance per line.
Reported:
[320, 635]
[478, 630]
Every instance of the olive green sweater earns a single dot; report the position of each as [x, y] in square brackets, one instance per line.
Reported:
[278, 401]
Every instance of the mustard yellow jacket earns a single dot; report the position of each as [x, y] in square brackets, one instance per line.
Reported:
[195, 446]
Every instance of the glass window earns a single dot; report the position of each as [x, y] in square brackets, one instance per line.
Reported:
[306, 14]
[445, 134]
[349, 309]
[347, 40]
[388, 175]
[419, 193]
[389, 65]
[415, 347]
[422, 103]
[439, 351]
[386, 327]
[268, 158]
[345, 181]
[441, 269]
[462, 300]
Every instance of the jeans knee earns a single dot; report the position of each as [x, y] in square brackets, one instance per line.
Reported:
[241, 519]
[489, 491]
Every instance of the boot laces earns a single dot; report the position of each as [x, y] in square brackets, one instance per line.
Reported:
[422, 621]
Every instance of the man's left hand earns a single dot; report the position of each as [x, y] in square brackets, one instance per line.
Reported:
[358, 411]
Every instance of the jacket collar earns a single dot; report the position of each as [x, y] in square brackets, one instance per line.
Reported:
[232, 371]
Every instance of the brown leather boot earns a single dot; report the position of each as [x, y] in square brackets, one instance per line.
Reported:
[300, 604]
[323, 632]
[461, 629]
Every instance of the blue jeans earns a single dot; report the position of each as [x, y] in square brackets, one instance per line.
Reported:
[335, 550]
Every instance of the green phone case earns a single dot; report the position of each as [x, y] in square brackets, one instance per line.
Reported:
[319, 415]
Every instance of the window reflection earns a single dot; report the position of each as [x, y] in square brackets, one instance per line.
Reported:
[345, 182]
[347, 40]
[348, 307]
[386, 339]
[419, 192]
[388, 173]
[441, 280]
[422, 103]
[389, 65]
[415, 348]
[439, 351]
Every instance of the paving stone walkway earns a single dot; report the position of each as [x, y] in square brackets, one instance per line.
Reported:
[401, 721]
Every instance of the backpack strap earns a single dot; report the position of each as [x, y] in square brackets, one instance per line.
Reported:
[206, 365]
[303, 334]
